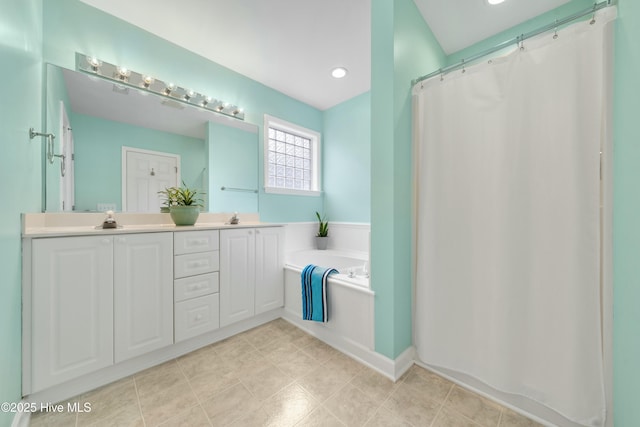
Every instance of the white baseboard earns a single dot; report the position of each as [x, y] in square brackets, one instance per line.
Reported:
[21, 419]
[392, 369]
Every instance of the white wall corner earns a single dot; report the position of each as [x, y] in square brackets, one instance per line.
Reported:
[22, 418]
[403, 362]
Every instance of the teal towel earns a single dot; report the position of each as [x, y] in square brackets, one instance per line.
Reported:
[314, 292]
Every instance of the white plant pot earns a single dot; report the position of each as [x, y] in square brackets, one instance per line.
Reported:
[321, 242]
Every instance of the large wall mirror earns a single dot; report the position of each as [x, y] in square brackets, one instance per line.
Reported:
[116, 146]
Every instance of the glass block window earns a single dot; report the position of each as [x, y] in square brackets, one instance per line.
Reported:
[291, 159]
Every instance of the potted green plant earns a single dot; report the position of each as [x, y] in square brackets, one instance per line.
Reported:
[170, 198]
[184, 204]
[323, 232]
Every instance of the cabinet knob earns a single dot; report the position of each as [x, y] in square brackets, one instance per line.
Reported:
[199, 317]
[250, 232]
[122, 239]
[105, 241]
[257, 231]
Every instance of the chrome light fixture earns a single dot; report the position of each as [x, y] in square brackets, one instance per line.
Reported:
[144, 82]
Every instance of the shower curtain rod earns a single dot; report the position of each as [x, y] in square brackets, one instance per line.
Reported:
[515, 40]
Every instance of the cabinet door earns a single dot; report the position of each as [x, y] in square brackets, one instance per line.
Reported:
[143, 293]
[269, 269]
[237, 275]
[72, 308]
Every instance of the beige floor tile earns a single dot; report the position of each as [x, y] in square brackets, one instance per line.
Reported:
[320, 417]
[289, 405]
[373, 384]
[405, 403]
[427, 383]
[296, 364]
[159, 378]
[513, 419]
[166, 404]
[200, 361]
[384, 418]
[193, 417]
[320, 351]
[254, 418]
[233, 347]
[305, 341]
[114, 401]
[230, 405]
[55, 419]
[351, 406]
[322, 382]
[266, 382]
[278, 375]
[277, 349]
[211, 383]
[344, 364]
[263, 335]
[474, 407]
[449, 418]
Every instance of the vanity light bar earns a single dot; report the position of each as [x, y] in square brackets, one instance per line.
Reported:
[145, 82]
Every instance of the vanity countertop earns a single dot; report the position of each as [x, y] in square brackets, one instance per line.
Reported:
[84, 224]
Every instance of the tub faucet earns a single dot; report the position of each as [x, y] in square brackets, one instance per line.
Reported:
[365, 271]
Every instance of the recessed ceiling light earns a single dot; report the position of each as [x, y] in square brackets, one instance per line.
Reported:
[339, 72]
[494, 2]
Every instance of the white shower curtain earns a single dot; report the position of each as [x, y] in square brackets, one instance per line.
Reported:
[508, 220]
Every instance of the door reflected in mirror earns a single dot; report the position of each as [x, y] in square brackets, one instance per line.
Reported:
[106, 123]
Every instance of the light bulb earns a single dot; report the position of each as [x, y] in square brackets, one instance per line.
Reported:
[147, 81]
[339, 72]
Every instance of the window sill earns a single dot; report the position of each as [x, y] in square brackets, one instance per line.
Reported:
[292, 192]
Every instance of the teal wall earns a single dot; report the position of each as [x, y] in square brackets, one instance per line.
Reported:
[71, 26]
[98, 152]
[402, 47]
[346, 160]
[21, 173]
[626, 215]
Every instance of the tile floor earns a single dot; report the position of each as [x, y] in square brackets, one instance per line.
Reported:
[277, 375]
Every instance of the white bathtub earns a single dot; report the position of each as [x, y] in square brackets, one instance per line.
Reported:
[350, 301]
[353, 267]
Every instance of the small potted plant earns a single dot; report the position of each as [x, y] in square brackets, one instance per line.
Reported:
[323, 232]
[170, 198]
[184, 204]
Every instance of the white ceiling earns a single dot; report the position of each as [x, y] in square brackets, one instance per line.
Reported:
[292, 45]
[460, 23]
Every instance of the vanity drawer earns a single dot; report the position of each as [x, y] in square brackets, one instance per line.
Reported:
[188, 242]
[193, 264]
[195, 286]
[196, 316]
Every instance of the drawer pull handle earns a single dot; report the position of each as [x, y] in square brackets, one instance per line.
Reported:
[196, 264]
[199, 242]
[196, 286]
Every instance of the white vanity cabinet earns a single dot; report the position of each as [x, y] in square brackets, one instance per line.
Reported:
[72, 308]
[251, 272]
[143, 293]
[96, 301]
[269, 277]
[196, 284]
